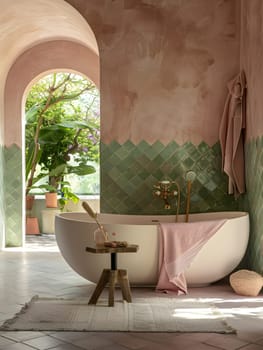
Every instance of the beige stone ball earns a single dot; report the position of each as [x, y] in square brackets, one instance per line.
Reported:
[246, 282]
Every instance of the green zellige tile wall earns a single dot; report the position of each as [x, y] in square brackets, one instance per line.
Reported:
[13, 188]
[128, 173]
[254, 180]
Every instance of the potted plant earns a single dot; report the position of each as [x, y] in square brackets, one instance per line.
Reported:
[58, 196]
[55, 195]
[54, 133]
[61, 137]
[50, 194]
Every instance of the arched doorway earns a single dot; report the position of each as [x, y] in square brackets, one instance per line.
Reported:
[60, 54]
[63, 115]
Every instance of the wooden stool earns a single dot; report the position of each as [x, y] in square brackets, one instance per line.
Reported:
[112, 275]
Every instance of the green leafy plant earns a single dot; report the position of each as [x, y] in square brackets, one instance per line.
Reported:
[66, 195]
[61, 136]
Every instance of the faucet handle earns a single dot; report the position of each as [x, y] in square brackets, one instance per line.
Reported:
[190, 176]
[157, 193]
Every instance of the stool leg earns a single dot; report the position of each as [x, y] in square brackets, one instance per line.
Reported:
[125, 285]
[112, 282]
[104, 279]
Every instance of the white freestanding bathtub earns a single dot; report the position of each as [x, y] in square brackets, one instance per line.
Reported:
[217, 258]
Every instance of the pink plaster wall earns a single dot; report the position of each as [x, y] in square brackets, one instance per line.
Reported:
[251, 60]
[42, 58]
[164, 66]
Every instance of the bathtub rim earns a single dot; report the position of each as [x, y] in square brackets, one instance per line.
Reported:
[150, 219]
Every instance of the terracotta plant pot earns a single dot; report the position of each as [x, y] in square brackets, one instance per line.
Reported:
[51, 200]
[32, 227]
[29, 202]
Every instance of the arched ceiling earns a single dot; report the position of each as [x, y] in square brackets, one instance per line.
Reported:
[25, 23]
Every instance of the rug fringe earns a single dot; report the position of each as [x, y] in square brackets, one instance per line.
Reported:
[230, 329]
[5, 326]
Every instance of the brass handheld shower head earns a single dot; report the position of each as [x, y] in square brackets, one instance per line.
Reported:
[190, 177]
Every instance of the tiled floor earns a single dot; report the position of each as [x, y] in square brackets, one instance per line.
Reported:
[40, 269]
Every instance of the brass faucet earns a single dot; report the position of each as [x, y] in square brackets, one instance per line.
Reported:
[164, 189]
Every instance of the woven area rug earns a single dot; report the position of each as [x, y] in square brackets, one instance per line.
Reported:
[142, 315]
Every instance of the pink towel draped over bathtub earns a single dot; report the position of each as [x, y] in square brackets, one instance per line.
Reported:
[178, 245]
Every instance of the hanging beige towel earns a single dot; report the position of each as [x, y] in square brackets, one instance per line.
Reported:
[231, 134]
